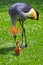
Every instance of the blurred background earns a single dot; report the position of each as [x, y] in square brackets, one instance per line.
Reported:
[34, 31]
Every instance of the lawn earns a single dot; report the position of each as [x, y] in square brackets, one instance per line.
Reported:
[33, 55]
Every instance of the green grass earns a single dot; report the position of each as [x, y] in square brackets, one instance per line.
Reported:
[33, 55]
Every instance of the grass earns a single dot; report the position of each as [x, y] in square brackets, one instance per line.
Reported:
[33, 55]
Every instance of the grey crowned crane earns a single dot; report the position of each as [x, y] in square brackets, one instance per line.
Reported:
[20, 12]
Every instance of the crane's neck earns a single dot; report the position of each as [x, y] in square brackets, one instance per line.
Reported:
[13, 23]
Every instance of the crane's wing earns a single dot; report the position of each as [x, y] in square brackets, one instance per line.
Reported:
[22, 14]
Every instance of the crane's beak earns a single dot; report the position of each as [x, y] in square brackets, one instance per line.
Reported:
[37, 15]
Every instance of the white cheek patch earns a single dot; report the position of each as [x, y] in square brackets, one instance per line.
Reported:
[32, 13]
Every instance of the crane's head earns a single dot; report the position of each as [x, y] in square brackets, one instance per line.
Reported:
[33, 14]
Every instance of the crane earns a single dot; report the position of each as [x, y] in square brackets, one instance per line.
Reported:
[20, 12]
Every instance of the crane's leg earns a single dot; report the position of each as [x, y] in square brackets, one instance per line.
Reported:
[23, 33]
[25, 36]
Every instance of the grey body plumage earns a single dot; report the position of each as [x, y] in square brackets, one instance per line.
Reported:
[17, 10]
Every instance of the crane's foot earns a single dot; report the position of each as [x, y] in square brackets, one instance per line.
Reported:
[26, 45]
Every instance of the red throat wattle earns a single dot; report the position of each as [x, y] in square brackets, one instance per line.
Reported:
[14, 30]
